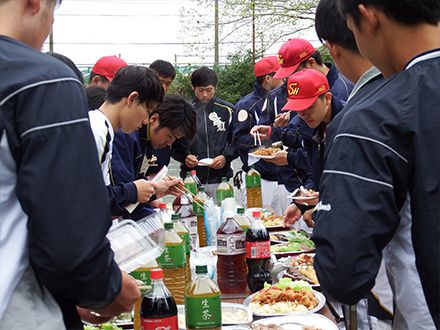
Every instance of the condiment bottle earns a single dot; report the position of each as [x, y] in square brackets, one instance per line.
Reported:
[201, 197]
[158, 309]
[203, 302]
[257, 254]
[231, 256]
[253, 188]
[224, 190]
[173, 262]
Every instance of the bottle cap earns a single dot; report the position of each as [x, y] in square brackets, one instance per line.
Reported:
[156, 274]
[162, 205]
[201, 188]
[175, 216]
[188, 173]
[256, 214]
[168, 225]
[229, 214]
[201, 269]
[240, 210]
[193, 172]
[252, 166]
[224, 179]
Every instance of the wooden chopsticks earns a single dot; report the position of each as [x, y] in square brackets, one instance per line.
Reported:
[191, 196]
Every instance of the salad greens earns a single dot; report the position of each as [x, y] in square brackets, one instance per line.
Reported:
[285, 283]
[105, 326]
[300, 237]
[292, 247]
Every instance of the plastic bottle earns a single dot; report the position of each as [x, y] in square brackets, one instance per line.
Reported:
[158, 309]
[231, 256]
[224, 190]
[143, 274]
[253, 188]
[242, 219]
[196, 179]
[257, 254]
[181, 230]
[177, 202]
[203, 302]
[190, 184]
[173, 262]
[164, 214]
[188, 219]
[201, 197]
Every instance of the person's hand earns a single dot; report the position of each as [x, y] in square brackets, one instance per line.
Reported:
[155, 204]
[262, 130]
[145, 189]
[291, 215]
[282, 119]
[307, 217]
[280, 158]
[170, 186]
[87, 315]
[218, 162]
[191, 161]
[126, 299]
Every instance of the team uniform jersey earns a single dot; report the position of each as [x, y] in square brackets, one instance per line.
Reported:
[380, 195]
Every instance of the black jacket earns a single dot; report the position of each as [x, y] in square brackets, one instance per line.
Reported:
[213, 138]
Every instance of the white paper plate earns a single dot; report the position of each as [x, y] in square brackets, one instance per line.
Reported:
[205, 162]
[262, 156]
[296, 322]
[319, 296]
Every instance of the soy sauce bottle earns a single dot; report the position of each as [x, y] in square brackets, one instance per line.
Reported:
[158, 308]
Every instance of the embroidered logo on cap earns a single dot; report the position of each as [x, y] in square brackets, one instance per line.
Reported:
[321, 88]
[302, 55]
[293, 89]
[280, 59]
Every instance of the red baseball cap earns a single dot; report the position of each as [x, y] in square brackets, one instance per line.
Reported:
[108, 65]
[291, 54]
[266, 65]
[303, 88]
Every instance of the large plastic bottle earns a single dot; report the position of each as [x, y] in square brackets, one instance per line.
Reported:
[142, 274]
[253, 188]
[242, 219]
[201, 197]
[224, 190]
[196, 179]
[158, 309]
[190, 184]
[189, 219]
[257, 254]
[203, 302]
[181, 230]
[231, 256]
[164, 214]
[173, 262]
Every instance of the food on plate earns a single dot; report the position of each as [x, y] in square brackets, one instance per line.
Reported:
[310, 272]
[297, 243]
[303, 259]
[285, 236]
[271, 220]
[303, 192]
[104, 326]
[266, 151]
[239, 316]
[271, 326]
[285, 297]
[294, 274]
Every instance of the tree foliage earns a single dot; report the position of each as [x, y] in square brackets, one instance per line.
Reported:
[274, 21]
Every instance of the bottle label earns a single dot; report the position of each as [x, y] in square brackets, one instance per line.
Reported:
[258, 250]
[253, 181]
[144, 276]
[203, 312]
[191, 187]
[185, 237]
[198, 209]
[191, 224]
[173, 256]
[231, 244]
[168, 323]
[222, 194]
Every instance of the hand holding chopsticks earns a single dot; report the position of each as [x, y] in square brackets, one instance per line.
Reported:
[181, 188]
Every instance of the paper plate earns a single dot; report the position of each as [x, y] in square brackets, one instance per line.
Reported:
[205, 162]
[263, 156]
[296, 322]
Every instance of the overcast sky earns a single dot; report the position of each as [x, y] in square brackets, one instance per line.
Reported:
[139, 31]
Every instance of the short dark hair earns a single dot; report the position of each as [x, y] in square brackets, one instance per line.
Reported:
[316, 56]
[260, 79]
[93, 75]
[70, 64]
[95, 96]
[409, 12]
[164, 69]
[331, 25]
[139, 79]
[203, 77]
[177, 114]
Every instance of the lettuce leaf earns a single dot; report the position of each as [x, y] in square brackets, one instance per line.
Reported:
[285, 283]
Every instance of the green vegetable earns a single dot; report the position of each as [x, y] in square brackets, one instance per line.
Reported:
[105, 326]
[292, 247]
[285, 283]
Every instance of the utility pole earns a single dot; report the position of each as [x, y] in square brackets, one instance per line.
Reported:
[51, 40]
[253, 32]
[216, 43]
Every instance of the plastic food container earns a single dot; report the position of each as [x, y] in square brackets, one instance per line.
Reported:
[135, 244]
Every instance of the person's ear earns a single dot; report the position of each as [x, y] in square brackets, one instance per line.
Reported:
[34, 5]
[334, 50]
[132, 97]
[154, 118]
[311, 63]
[328, 98]
[96, 81]
[193, 88]
[369, 18]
